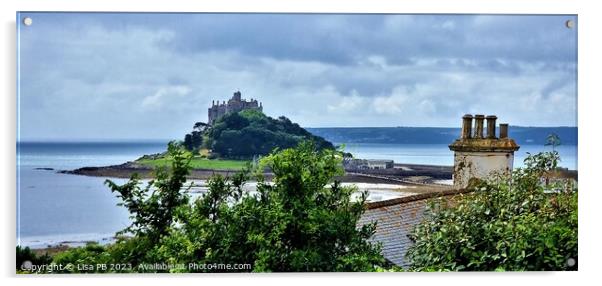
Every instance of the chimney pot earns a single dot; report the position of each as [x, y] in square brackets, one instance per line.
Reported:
[491, 126]
[466, 126]
[503, 130]
[478, 132]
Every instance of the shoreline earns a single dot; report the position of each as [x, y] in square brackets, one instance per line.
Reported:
[401, 174]
[403, 180]
[126, 170]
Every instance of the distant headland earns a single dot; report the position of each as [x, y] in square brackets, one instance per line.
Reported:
[238, 133]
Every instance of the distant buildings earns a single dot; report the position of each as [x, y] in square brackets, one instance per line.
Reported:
[234, 104]
[363, 164]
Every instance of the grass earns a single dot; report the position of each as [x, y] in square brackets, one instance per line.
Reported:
[199, 163]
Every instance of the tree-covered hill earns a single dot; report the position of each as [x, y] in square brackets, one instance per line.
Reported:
[250, 132]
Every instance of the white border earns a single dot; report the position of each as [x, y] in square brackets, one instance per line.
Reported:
[589, 139]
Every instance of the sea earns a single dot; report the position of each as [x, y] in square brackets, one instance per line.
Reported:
[55, 208]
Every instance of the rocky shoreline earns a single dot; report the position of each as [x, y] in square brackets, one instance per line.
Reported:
[401, 174]
[126, 170]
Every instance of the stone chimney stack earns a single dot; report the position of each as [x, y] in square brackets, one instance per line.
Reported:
[477, 157]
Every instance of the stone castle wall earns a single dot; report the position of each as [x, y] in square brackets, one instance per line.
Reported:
[234, 104]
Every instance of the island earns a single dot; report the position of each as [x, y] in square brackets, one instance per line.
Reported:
[238, 134]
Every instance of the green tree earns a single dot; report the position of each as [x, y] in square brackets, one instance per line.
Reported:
[507, 223]
[301, 221]
[196, 140]
[152, 207]
[250, 132]
[188, 142]
[553, 140]
[152, 211]
[200, 126]
[193, 141]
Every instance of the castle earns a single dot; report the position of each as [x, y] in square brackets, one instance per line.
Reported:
[234, 104]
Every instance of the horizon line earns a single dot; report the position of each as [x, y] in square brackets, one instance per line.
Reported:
[164, 140]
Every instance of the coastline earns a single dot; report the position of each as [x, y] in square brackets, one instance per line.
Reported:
[404, 180]
[401, 174]
[412, 179]
[126, 170]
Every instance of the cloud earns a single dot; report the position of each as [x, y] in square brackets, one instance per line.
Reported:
[347, 104]
[156, 74]
[164, 95]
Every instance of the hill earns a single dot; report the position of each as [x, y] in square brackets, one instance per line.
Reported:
[247, 133]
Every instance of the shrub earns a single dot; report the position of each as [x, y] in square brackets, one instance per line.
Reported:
[302, 221]
[515, 223]
[26, 254]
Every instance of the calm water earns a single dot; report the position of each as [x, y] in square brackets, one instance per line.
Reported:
[439, 154]
[54, 208]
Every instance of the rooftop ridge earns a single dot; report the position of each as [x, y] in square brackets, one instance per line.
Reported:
[417, 197]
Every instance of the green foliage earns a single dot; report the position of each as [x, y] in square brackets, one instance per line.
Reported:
[152, 207]
[302, 221]
[197, 163]
[553, 140]
[250, 132]
[25, 254]
[194, 140]
[505, 224]
[92, 254]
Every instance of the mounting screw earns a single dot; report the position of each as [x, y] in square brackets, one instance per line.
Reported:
[569, 24]
[571, 262]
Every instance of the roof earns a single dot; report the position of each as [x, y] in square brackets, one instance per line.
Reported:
[484, 145]
[395, 220]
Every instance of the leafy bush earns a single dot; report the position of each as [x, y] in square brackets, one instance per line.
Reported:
[26, 254]
[92, 254]
[152, 208]
[302, 221]
[516, 223]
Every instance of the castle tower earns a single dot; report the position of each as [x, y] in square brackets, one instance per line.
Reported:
[234, 104]
[237, 96]
[477, 156]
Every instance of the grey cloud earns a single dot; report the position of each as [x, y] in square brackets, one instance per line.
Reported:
[152, 76]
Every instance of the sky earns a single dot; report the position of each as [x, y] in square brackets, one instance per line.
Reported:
[152, 76]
